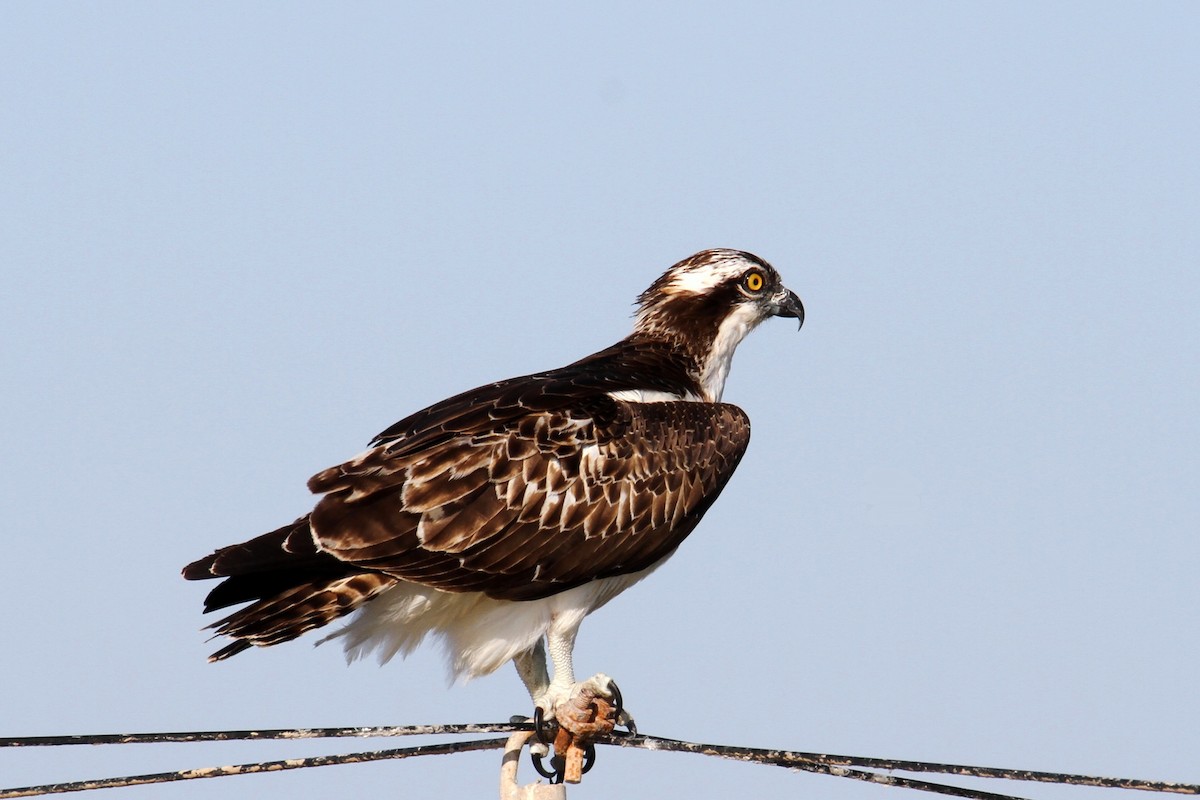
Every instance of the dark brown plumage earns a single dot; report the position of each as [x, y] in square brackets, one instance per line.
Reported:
[486, 461]
[521, 490]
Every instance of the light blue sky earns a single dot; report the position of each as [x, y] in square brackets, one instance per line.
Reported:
[239, 240]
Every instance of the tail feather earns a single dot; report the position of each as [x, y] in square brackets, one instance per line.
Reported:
[284, 617]
[292, 587]
[288, 547]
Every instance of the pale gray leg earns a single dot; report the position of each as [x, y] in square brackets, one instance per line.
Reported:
[562, 647]
[549, 695]
[531, 666]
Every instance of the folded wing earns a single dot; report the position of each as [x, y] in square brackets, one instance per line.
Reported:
[528, 509]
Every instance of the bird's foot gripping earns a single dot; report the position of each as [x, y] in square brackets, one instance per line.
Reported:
[569, 718]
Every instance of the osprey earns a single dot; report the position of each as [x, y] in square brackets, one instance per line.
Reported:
[499, 518]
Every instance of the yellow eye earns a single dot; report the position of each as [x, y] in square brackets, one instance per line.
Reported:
[754, 281]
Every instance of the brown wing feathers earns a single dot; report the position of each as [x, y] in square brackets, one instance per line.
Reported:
[547, 519]
[520, 489]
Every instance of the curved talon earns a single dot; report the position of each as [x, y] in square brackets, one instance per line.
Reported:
[619, 708]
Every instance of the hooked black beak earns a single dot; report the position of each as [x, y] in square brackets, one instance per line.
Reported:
[790, 306]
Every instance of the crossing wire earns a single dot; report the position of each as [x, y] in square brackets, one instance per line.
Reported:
[853, 767]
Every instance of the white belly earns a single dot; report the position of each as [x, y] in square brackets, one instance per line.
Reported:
[479, 634]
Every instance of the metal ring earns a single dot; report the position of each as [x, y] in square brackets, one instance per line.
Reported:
[554, 776]
[618, 702]
[542, 730]
[589, 757]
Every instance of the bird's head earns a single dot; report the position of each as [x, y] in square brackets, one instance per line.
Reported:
[707, 303]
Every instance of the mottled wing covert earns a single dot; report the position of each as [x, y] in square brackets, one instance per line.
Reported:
[533, 503]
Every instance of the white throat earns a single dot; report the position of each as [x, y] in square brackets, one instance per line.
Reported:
[733, 329]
